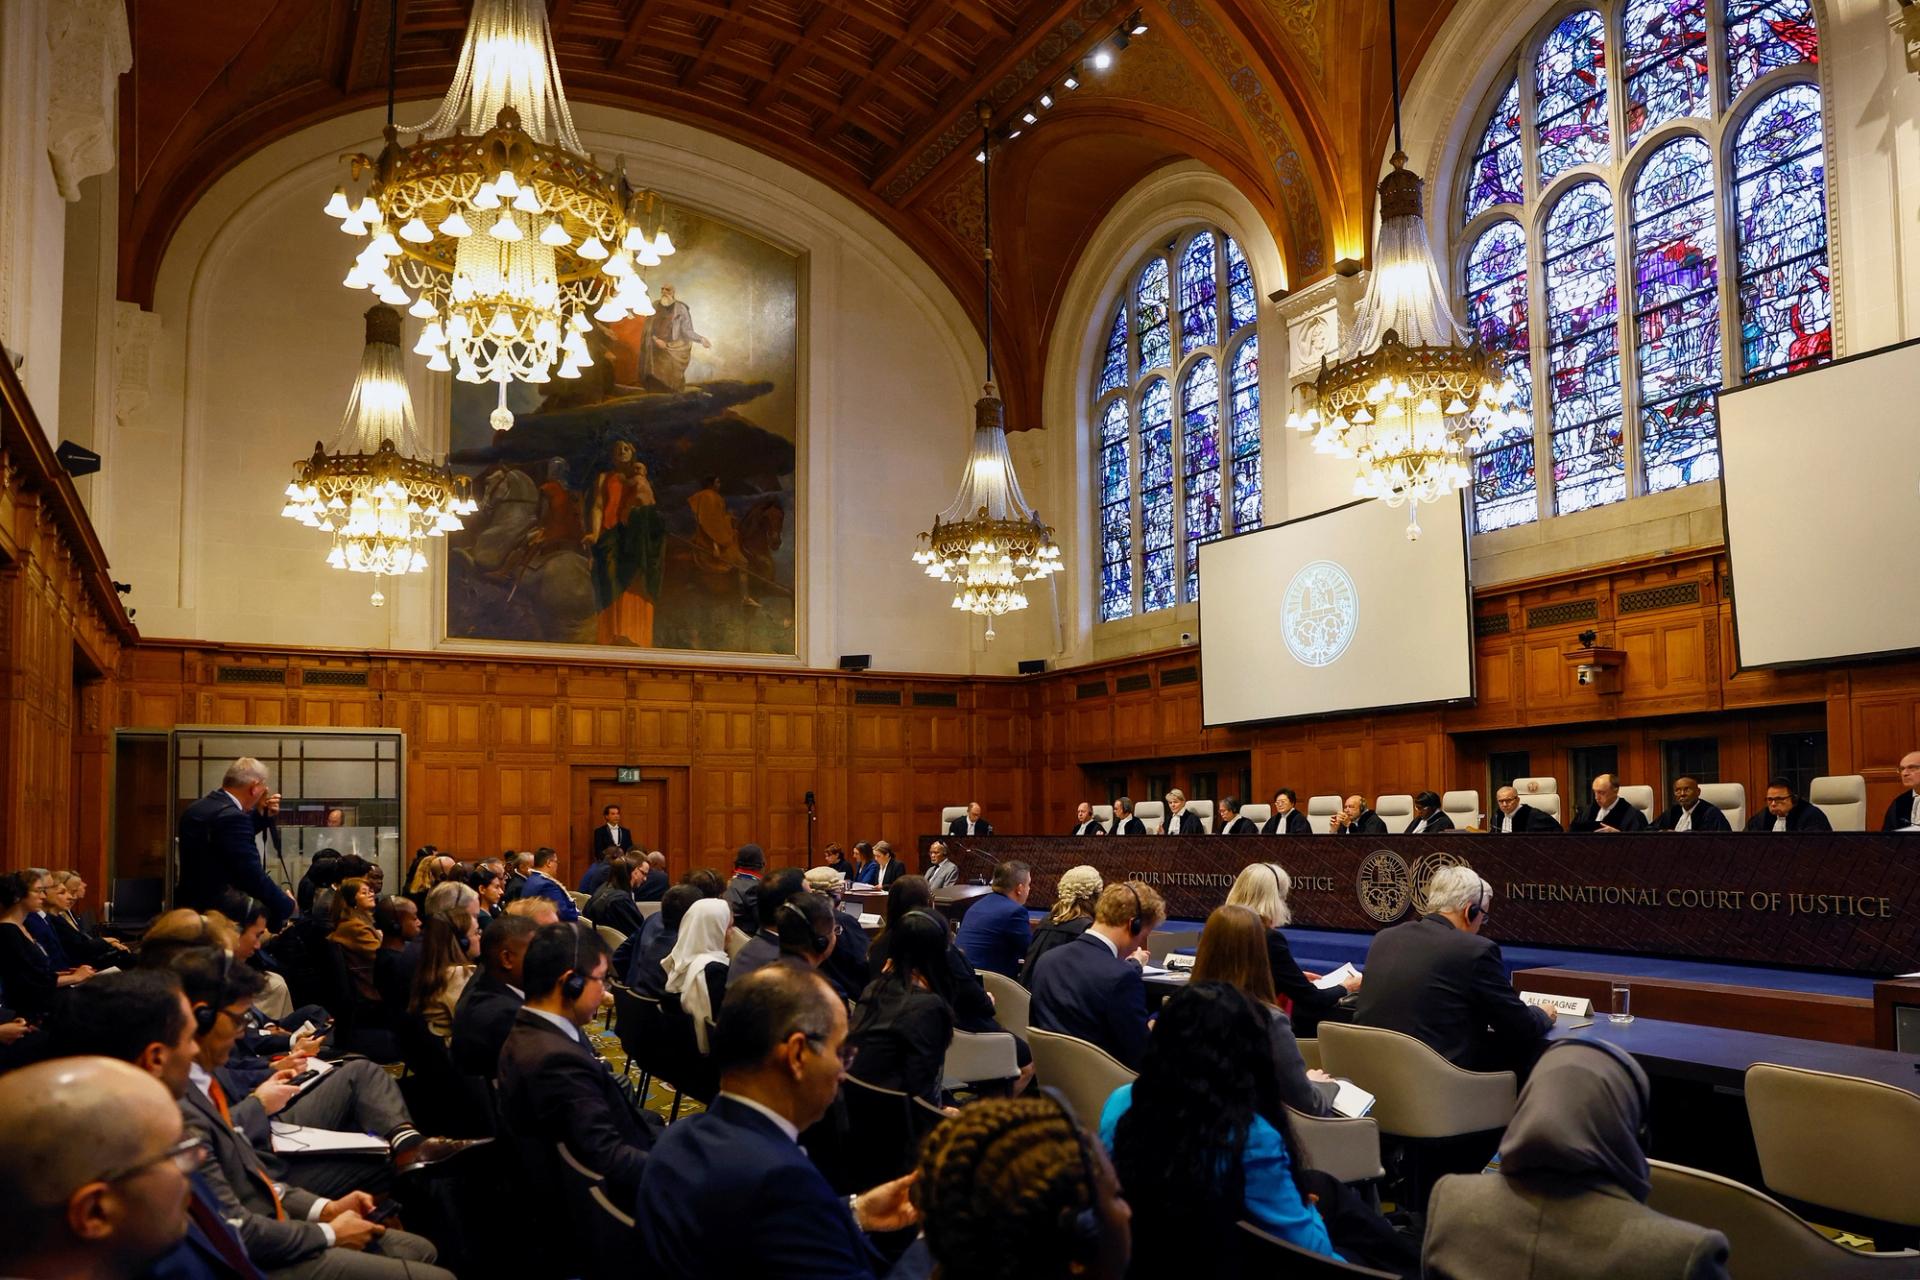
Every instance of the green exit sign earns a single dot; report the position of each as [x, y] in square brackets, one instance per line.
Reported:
[627, 773]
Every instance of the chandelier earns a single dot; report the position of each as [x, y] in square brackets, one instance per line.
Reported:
[495, 223]
[378, 493]
[1415, 392]
[988, 542]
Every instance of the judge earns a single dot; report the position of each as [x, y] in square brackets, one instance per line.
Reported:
[1355, 819]
[1608, 812]
[1084, 823]
[1904, 813]
[1689, 813]
[972, 824]
[1512, 816]
[1427, 816]
[1179, 822]
[1783, 811]
[1288, 818]
[1230, 823]
[1124, 823]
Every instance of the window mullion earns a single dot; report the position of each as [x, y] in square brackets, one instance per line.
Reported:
[1538, 337]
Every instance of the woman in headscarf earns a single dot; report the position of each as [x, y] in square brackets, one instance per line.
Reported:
[696, 968]
[1570, 1198]
[1072, 912]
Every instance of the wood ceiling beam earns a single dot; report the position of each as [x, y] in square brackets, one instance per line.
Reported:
[826, 103]
[715, 43]
[930, 14]
[797, 53]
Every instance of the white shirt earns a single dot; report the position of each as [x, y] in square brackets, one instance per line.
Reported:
[557, 1021]
[1415, 827]
[1914, 818]
[1280, 827]
[786, 1126]
[1082, 828]
[1686, 818]
[613, 829]
[969, 832]
[1171, 827]
[1780, 823]
[1506, 820]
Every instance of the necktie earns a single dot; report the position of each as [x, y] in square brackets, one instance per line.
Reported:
[219, 1096]
[219, 1235]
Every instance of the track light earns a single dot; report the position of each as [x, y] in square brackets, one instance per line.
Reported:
[1029, 117]
[1046, 100]
[1137, 24]
[1072, 80]
[1102, 59]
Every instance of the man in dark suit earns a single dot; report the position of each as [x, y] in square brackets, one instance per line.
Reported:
[1783, 811]
[743, 891]
[211, 1250]
[891, 868]
[647, 954]
[519, 870]
[1608, 812]
[846, 966]
[971, 825]
[996, 931]
[1689, 812]
[484, 1016]
[1084, 823]
[1180, 822]
[555, 1089]
[1437, 980]
[763, 948]
[1904, 812]
[1230, 823]
[1288, 819]
[612, 903]
[733, 1181]
[610, 835]
[541, 884]
[1512, 816]
[1091, 988]
[654, 885]
[1427, 817]
[1355, 819]
[218, 856]
[1124, 823]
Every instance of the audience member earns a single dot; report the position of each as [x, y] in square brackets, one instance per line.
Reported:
[1515, 816]
[972, 1006]
[1230, 823]
[1078, 889]
[399, 924]
[1124, 823]
[1437, 980]
[321, 873]
[354, 933]
[806, 929]
[763, 948]
[1085, 824]
[539, 910]
[1233, 950]
[1569, 1199]
[1013, 1187]
[489, 882]
[485, 1014]
[1783, 811]
[654, 883]
[1262, 887]
[891, 868]
[644, 972]
[250, 933]
[1608, 812]
[83, 944]
[696, 968]
[27, 973]
[1688, 812]
[449, 950]
[778, 1050]
[996, 931]
[1428, 817]
[1288, 818]
[1179, 822]
[972, 824]
[837, 859]
[1087, 989]
[942, 870]
[903, 1024]
[865, 869]
[519, 871]
[847, 966]
[612, 903]
[1355, 819]
[1903, 813]
[743, 891]
[40, 928]
[217, 854]
[183, 929]
[541, 884]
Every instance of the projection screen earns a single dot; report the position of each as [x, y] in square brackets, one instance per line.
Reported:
[1336, 612]
[1820, 482]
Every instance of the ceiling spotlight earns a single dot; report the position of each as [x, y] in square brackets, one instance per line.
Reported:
[1102, 59]
[1012, 134]
[1137, 24]
[1028, 116]
[1073, 77]
[981, 156]
[1046, 101]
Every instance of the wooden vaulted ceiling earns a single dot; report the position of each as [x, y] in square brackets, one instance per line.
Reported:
[1290, 99]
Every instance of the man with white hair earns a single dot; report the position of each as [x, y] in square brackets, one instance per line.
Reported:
[942, 870]
[1437, 980]
[218, 857]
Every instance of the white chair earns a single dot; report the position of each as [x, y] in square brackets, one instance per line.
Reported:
[1203, 809]
[1462, 808]
[948, 814]
[1836, 1141]
[1256, 813]
[1843, 798]
[1548, 804]
[977, 1056]
[1641, 798]
[1154, 814]
[648, 908]
[612, 937]
[1085, 1073]
[1729, 798]
[1010, 1001]
[736, 940]
[1342, 1148]
[1103, 813]
[1540, 793]
[1418, 1093]
[1767, 1240]
[1320, 811]
[1394, 810]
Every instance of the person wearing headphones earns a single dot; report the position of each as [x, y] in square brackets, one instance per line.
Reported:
[1438, 980]
[1570, 1199]
[806, 929]
[1092, 987]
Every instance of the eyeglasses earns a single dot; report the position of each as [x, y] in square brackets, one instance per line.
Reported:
[847, 1051]
[187, 1155]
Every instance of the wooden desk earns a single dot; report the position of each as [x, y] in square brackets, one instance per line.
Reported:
[1719, 1057]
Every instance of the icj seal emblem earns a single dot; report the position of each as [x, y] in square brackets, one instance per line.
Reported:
[1383, 885]
[1319, 612]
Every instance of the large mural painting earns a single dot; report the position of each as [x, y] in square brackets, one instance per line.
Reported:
[649, 503]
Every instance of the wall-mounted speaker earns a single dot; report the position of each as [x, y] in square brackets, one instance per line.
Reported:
[77, 459]
[855, 661]
[1032, 666]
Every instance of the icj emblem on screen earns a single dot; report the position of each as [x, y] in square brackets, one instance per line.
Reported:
[1319, 613]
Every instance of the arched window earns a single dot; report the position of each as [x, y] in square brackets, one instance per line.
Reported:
[1178, 422]
[1608, 230]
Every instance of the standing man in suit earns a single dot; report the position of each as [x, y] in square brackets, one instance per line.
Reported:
[1784, 812]
[484, 1016]
[891, 868]
[1230, 823]
[777, 1048]
[1355, 819]
[1904, 813]
[1428, 817]
[743, 891]
[971, 825]
[218, 855]
[941, 869]
[1084, 823]
[610, 835]
[541, 884]
[996, 932]
[1179, 822]
[1608, 812]
[1688, 812]
[1092, 987]
[654, 884]
[1288, 818]
[1124, 823]
[1512, 816]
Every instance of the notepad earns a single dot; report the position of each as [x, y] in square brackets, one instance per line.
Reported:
[1352, 1101]
[870, 921]
[1338, 978]
[300, 1139]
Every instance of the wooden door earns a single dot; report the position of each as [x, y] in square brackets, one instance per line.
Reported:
[643, 810]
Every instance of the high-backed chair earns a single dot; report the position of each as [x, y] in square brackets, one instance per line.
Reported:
[1104, 812]
[1843, 798]
[1256, 813]
[1641, 798]
[736, 939]
[975, 1057]
[1839, 1142]
[948, 814]
[1419, 1093]
[1542, 794]
[1462, 808]
[648, 908]
[611, 936]
[1395, 810]
[1768, 1240]
[579, 899]
[1729, 798]
[1085, 1073]
[1342, 1148]
[1010, 1001]
[1162, 943]
[1310, 1052]
[1320, 811]
[1153, 813]
[1202, 809]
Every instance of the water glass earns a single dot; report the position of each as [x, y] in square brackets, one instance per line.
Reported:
[1622, 1004]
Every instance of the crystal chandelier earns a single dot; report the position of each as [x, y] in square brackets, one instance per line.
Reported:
[988, 542]
[1415, 392]
[497, 219]
[378, 493]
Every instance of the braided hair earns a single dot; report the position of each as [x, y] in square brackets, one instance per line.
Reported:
[1001, 1187]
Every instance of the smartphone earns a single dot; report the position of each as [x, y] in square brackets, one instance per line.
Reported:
[384, 1210]
[304, 1076]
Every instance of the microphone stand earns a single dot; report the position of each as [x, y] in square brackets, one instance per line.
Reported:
[812, 817]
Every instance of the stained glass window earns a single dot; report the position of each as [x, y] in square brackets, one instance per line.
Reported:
[1200, 445]
[1199, 317]
[1113, 369]
[1665, 76]
[1503, 481]
[1764, 34]
[1150, 304]
[1676, 318]
[1116, 513]
[1570, 90]
[1780, 219]
[1156, 496]
[1498, 176]
[1245, 310]
[1246, 435]
[1583, 350]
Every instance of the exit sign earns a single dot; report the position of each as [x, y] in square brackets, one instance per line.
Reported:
[627, 773]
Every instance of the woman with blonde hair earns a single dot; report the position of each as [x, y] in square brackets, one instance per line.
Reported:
[82, 943]
[449, 951]
[1072, 913]
[1262, 887]
[1233, 950]
[353, 929]
[182, 929]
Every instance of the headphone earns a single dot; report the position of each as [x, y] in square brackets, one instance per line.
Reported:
[1081, 1225]
[1133, 925]
[1477, 909]
[1281, 889]
[204, 1016]
[820, 941]
[575, 983]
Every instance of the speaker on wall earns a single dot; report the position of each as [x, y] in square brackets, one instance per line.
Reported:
[1032, 666]
[855, 661]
